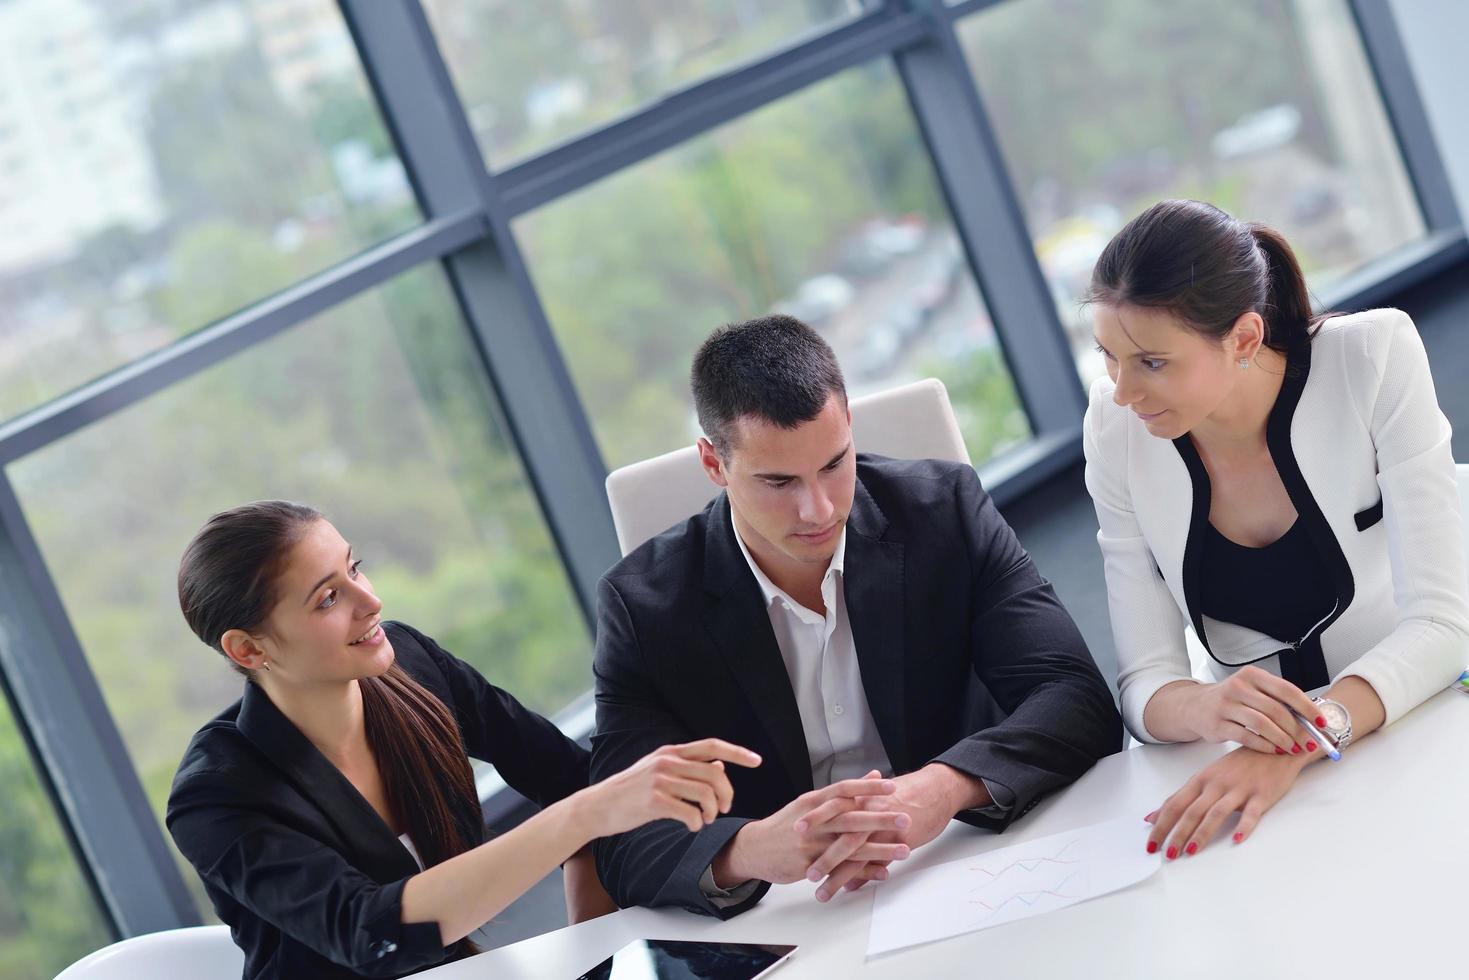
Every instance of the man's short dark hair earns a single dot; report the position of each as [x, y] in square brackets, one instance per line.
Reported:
[774, 368]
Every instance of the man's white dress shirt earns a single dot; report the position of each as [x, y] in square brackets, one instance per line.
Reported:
[820, 656]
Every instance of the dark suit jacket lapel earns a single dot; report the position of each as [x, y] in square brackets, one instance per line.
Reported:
[739, 625]
[375, 848]
[873, 587]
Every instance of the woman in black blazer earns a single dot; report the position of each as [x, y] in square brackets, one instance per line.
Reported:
[331, 812]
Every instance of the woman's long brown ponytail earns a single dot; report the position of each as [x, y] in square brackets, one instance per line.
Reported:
[420, 754]
[1287, 312]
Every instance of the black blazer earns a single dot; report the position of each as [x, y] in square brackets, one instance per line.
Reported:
[938, 590]
[299, 866]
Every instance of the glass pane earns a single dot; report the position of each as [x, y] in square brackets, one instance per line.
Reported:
[165, 164]
[534, 73]
[1266, 108]
[375, 412]
[48, 918]
[823, 205]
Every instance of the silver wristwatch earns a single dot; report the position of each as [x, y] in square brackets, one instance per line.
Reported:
[1338, 725]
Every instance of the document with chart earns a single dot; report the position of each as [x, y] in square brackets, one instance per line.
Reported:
[1011, 883]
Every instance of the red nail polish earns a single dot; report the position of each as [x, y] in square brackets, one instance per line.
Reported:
[1152, 847]
[1320, 722]
[1295, 750]
[1192, 848]
[1310, 746]
[1279, 750]
[1238, 838]
[1172, 851]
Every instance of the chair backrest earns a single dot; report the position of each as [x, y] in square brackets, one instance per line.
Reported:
[914, 421]
[199, 953]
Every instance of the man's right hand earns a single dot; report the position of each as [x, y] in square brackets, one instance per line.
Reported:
[781, 848]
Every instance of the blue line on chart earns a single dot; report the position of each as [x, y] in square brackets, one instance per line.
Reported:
[1028, 901]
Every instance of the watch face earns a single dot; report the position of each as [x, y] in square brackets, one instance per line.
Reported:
[1335, 715]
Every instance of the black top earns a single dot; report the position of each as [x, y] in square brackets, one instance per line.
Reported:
[1303, 664]
[300, 867]
[941, 598]
[1281, 590]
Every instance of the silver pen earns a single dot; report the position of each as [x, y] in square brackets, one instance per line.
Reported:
[1332, 752]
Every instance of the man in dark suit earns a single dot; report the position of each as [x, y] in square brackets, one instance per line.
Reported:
[828, 610]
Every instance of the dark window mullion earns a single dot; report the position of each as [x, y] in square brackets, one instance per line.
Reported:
[84, 759]
[1393, 73]
[542, 411]
[972, 172]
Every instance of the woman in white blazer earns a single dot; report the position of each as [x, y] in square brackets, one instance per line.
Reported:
[1281, 483]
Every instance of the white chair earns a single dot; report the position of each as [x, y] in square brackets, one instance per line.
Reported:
[914, 421]
[199, 953]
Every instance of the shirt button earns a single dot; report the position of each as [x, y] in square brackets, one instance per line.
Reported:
[838, 709]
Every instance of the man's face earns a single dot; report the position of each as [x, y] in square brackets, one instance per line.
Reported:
[791, 489]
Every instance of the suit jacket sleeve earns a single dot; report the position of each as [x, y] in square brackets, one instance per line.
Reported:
[1029, 653]
[659, 863]
[299, 885]
[534, 757]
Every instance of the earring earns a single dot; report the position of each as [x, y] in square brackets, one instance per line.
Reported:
[265, 664]
[1244, 363]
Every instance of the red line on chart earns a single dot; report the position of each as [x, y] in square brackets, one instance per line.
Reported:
[1028, 901]
[1029, 864]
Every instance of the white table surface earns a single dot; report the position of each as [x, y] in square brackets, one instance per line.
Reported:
[1362, 870]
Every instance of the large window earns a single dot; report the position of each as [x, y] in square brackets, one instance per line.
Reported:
[164, 164]
[1266, 108]
[217, 284]
[373, 413]
[47, 915]
[824, 206]
[534, 73]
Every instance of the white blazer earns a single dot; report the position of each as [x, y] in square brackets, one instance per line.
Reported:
[1363, 451]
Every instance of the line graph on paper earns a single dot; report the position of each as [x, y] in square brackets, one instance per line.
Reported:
[1031, 863]
[1029, 880]
[1028, 898]
[1006, 884]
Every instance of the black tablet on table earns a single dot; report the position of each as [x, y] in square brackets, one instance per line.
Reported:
[667, 959]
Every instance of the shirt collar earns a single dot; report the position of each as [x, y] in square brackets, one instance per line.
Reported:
[770, 590]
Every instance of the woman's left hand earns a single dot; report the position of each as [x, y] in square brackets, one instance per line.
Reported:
[1242, 781]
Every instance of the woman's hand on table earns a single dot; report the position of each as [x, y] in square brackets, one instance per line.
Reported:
[1244, 782]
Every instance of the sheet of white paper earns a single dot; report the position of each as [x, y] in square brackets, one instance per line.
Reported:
[1011, 883]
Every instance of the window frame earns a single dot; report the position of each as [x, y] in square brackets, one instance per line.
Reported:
[467, 214]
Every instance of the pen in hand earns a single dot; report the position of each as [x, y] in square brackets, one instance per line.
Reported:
[1326, 744]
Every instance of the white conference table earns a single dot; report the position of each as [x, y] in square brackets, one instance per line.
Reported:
[1362, 870]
